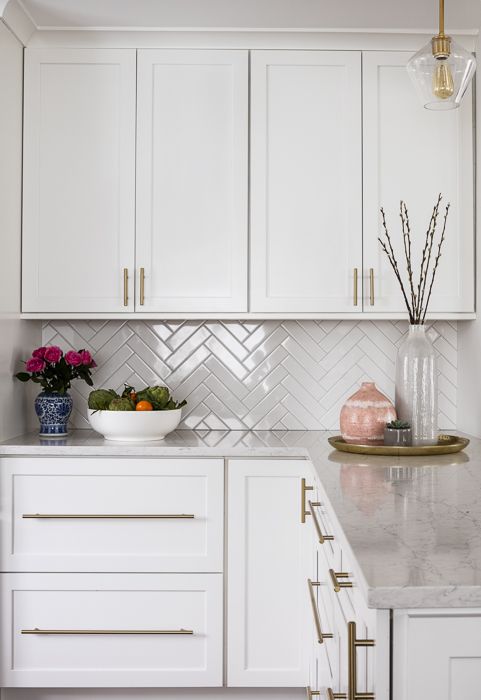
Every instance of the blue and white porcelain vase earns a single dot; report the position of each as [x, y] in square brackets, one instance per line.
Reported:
[53, 411]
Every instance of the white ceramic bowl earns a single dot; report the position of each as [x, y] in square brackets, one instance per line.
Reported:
[134, 426]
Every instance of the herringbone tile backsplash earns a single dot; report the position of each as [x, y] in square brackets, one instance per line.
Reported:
[263, 375]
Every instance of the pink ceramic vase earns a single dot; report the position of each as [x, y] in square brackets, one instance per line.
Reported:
[365, 414]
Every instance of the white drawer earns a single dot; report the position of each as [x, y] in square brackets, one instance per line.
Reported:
[128, 514]
[115, 605]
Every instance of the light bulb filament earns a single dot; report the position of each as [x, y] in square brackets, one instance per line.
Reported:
[443, 84]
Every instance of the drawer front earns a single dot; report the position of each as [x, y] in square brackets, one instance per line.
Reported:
[107, 514]
[65, 630]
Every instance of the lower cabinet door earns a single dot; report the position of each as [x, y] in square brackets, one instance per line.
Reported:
[114, 630]
[268, 632]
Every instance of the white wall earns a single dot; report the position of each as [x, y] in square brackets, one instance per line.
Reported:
[469, 332]
[17, 337]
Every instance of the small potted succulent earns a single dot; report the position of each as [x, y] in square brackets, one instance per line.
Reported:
[397, 433]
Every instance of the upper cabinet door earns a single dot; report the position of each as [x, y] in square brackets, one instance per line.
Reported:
[413, 154]
[79, 180]
[192, 141]
[306, 187]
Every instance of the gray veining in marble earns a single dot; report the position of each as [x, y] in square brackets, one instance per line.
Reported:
[413, 524]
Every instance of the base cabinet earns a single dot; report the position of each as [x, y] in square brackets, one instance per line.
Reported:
[266, 603]
[437, 654]
[111, 630]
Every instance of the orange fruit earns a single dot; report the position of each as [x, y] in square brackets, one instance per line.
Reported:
[144, 406]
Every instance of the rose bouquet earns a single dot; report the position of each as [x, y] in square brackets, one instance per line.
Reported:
[54, 370]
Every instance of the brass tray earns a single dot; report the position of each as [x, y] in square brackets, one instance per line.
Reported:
[447, 444]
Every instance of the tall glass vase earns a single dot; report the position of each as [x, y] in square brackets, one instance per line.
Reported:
[417, 386]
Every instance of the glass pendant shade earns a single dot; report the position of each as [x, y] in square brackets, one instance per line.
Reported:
[441, 78]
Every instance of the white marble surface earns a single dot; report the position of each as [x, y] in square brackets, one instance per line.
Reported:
[413, 524]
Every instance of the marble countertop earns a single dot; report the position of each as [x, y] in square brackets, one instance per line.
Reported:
[413, 524]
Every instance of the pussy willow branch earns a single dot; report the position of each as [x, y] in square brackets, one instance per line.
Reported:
[418, 307]
[403, 213]
[432, 225]
[434, 220]
[436, 262]
[392, 259]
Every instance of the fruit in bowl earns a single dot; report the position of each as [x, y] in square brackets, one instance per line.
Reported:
[134, 416]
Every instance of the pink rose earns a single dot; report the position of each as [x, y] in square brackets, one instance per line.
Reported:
[73, 358]
[86, 358]
[53, 354]
[39, 353]
[35, 364]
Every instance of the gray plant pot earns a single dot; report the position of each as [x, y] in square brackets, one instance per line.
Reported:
[398, 437]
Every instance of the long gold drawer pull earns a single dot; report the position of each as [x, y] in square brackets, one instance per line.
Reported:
[335, 576]
[371, 286]
[126, 287]
[354, 299]
[142, 286]
[39, 631]
[304, 488]
[331, 695]
[322, 538]
[321, 636]
[312, 693]
[353, 644]
[107, 516]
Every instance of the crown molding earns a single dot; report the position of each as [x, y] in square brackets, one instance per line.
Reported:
[17, 19]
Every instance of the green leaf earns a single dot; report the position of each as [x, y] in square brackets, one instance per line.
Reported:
[23, 376]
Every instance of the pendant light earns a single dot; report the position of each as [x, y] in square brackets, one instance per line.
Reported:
[441, 71]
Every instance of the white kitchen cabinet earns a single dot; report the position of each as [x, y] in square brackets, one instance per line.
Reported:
[437, 654]
[79, 180]
[267, 603]
[192, 155]
[107, 514]
[111, 630]
[413, 154]
[306, 181]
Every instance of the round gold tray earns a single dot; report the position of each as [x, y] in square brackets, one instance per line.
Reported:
[447, 444]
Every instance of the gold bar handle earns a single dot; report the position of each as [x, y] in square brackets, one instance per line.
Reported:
[322, 538]
[356, 275]
[311, 693]
[335, 576]
[304, 488]
[371, 286]
[66, 632]
[142, 286]
[321, 636]
[126, 287]
[105, 516]
[331, 695]
[353, 643]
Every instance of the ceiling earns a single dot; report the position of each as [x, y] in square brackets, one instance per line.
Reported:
[276, 14]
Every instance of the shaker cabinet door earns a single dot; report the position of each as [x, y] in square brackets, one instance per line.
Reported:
[192, 149]
[267, 604]
[79, 180]
[306, 187]
[413, 154]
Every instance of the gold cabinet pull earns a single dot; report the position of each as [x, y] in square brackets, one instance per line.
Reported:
[331, 695]
[126, 286]
[142, 286]
[355, 299]
[304, 488]
[321, 636]
[312, 693]
[335, 576]
[106, 516]
[65, 632]
[371, 286]
[353, 644]
[322, 538]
